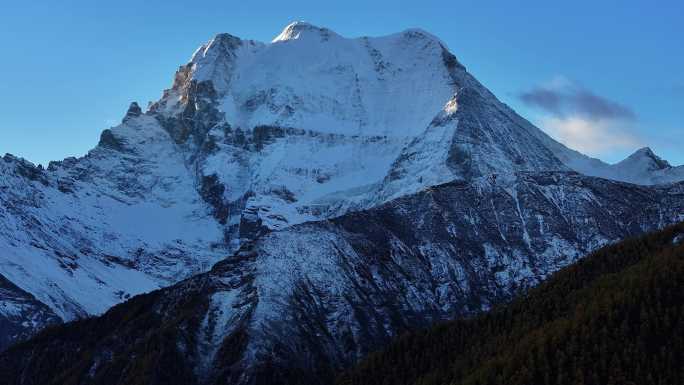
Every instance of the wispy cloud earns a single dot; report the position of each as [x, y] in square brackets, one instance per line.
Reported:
[564, 98]
[582, 119]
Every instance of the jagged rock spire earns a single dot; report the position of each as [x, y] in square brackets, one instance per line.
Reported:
[134, 110]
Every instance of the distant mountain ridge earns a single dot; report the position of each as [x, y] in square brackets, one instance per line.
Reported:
[254, 139]
[642, 167]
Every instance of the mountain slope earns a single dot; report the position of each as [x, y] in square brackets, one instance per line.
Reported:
[86, 233]
[614, 317]
[21, 315]
[296, 305]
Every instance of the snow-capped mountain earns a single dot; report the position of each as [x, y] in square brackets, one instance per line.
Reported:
[642, 167]
[645, 167]
[254, 138]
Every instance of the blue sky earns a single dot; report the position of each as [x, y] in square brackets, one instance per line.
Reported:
[604, 76]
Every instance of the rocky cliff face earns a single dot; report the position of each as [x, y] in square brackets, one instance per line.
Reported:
[255, 138]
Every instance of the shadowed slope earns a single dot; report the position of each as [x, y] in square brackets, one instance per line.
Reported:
[616, 317]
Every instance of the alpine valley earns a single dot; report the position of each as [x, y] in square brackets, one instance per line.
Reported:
[298, 203]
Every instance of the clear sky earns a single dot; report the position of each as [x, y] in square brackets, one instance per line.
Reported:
[606, 77]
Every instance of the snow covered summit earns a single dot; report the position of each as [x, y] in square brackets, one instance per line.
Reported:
[302, 29]
[644, 159]
[311, 78]
[314, 124]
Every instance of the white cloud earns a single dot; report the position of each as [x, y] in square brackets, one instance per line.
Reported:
[583, 120]
[593, 137]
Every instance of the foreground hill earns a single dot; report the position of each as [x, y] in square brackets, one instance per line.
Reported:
[615, 317]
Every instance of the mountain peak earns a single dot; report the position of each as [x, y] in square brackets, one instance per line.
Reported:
[301, 29]
[219, 45]
[421, 34]
[134, 111]
[644, 151]
[646, 155]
